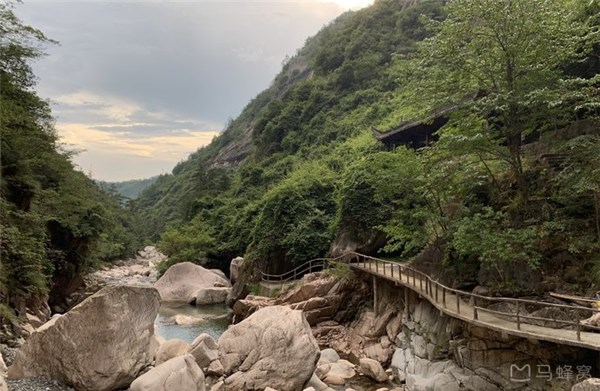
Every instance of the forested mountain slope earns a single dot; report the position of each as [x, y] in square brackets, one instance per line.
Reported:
[56, 223]
[298, 173]
[128, 190]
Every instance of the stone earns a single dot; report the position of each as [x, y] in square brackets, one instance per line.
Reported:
[328, 356]
[317, 384]
[179, 373]
[587, 385]
[246, 307]
[205, 350]
[311, 286]
[182, 280]
[212, 295]
[218, 386]
[309, 389]
[101, 344]
[273, 347]
[270, 389]
[215, 368]
[339, 372]
[220, 273]
[373, 370]
[234, 268]
[3, 385]
[188, 320]
[170, 349]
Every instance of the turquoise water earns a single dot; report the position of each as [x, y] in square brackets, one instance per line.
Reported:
[212, 319]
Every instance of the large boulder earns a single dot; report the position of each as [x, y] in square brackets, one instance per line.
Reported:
[179, 373]
[234, 268]
[183, 280]
[273, 347]
[210, 295]
[100, 345]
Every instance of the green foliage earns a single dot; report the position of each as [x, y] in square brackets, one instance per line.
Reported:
[56, 223]
[339, 270]
[306, 167]
[486, 237]
[513, 62]
[188, 243]
[294, 222]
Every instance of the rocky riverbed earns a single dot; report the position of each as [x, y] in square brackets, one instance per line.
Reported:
[318, 334]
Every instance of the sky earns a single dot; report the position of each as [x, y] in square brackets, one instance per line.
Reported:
[137, 86]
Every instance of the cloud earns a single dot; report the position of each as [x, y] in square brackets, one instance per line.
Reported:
[104, 153]
[155, 79]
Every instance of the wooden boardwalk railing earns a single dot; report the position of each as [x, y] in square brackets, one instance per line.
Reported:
[473, 308]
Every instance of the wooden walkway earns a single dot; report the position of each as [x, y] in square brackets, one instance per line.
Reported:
[472, 308]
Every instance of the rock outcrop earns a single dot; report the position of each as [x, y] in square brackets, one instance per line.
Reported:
[234, 268]
[100, 345]
[320, 297]
[273, 347]
[179, 373]
[183, 281]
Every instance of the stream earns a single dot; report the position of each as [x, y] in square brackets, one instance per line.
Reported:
[211, 319]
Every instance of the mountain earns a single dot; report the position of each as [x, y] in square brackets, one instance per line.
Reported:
[299, 174]
[128, 189]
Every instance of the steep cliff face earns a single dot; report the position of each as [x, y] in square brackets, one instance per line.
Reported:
[434, 351]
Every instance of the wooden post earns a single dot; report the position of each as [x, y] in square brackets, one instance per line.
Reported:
[518, 316]
[578, 320]
[458, 302]
[475, 316]
[392, 265]
[406, 307]
[414, 272]
[420, 283]
[444, 296]
[437, 288]
[375, 295]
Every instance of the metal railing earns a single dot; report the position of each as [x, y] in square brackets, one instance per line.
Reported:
[314, 265]
[437, 293]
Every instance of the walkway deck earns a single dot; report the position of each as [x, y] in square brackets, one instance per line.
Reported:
[452, 302]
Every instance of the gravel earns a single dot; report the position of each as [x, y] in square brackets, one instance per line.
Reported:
[8, 354]
[37, 384]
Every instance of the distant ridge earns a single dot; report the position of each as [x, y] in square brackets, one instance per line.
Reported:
[129, 189]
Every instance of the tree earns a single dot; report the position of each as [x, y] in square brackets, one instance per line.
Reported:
[499, 61]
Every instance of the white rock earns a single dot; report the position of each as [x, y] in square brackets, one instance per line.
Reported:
[373, 369]
[211, 295]
[170, 349]
[100, 345]
[179, 373]
[182, 280]
[273, 347]
[234, 268]
[205, 350]
[328, 356]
